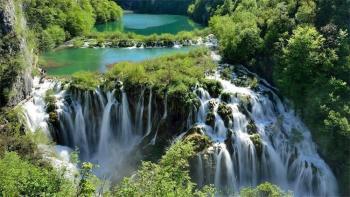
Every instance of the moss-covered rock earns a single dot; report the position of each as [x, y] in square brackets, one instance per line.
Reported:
[251, 128]
[226, 97]
[210, 119]
[256, 140]
[212, 104]
[226, 73]
[225, 112]
[53, 118]
[214, 87]
[198, 138]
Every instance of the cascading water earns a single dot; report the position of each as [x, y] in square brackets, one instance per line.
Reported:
[260, 140]
[102, 128]
[255, 137]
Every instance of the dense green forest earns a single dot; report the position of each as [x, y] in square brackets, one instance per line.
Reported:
[302, 47]
[54, 22]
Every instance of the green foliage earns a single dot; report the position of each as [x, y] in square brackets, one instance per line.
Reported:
[19, 177]
[313, 72]
[12, 134]
[52, 36]
[212, 86]
[300, 47]
[264, 190]
[170, 177]
[86, 185]
[202, 10]
[241, 41]
[303, 62]
[122, 39]
[175, 73]
[54, 21]
[178, 7]
[86, 80]
[106, 10]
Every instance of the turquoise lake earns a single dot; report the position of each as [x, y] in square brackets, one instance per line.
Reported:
[71, 60]
[147, 24]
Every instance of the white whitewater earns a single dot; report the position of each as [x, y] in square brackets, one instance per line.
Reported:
[34, 110]
[291, 164]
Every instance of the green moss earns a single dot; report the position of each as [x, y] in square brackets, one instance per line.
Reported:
[214, 87]
[226, 73]
[251, 127]
[256, 140]
[226, 97]
[198, 139]
[225, 112]
[210, 119]
[86, 80]
[176, 74]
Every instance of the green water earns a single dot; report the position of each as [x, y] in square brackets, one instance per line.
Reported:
[71, 60]
[146, 24]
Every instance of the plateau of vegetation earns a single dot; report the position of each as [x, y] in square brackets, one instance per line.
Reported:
[120, 39]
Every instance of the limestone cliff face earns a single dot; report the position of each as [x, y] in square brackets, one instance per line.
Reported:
[16, 57]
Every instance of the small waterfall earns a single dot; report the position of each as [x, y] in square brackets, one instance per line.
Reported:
[257, 138]
[139, 113]
[165, 115]
[149, 118]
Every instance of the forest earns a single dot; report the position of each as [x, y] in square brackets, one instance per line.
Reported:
[278, 96]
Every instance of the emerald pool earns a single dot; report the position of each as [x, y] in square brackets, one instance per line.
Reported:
[70, 60]
[147, 24]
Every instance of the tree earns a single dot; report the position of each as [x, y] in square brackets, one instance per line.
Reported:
[170, 177]
[239, 36]
[264, 190]
[304, 63]
[20, 178]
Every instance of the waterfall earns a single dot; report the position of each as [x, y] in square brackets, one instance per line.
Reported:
[139, 113]
[149, 110]
[153, 141]
[102, 129]
[256, 137]
[268, 143]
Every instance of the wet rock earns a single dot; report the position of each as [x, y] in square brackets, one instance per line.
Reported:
[53, 118]
[210, 119]
[226, 97]
[212, 104]
[256, 140]
[214, 87]
[225, 112]
[251, 128]
[229, 141]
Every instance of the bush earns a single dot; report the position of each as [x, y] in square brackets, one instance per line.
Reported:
[264, 190]
[19, 177]
[86, 80]
[170, 177]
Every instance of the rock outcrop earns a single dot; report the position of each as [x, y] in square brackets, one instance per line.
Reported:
[16, 58]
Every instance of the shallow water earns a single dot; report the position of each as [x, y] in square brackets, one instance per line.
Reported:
[147, 24]
[71, 60]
